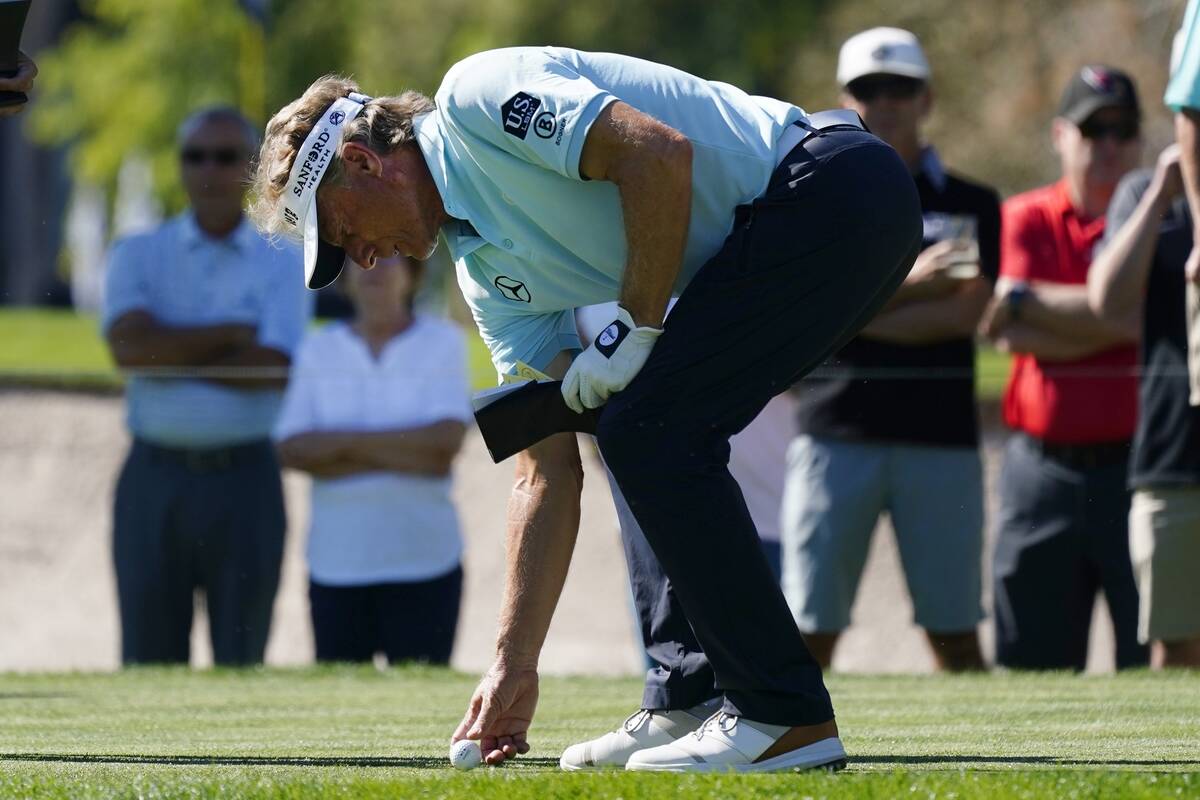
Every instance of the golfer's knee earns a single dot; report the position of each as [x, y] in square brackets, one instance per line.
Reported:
[631, 447]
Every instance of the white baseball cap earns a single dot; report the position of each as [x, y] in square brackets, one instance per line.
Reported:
[886, 51]
[298, 209]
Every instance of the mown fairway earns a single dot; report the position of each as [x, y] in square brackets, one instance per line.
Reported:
[350, 732]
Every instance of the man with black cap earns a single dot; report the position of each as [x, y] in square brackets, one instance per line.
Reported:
[1062, 532]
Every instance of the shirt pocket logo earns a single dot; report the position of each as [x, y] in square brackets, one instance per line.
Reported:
[513, 289]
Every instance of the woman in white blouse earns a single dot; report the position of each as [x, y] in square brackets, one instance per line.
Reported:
[375, 411]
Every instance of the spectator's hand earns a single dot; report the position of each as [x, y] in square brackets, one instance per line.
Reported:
[995, 317]
[500, 712]
[21, 82]
[241, 334]
[1167, 173]
[1191, 267]
[931, 267]
[312, 447]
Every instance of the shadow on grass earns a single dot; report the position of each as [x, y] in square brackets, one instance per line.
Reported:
[1028, 761]
[417, 762]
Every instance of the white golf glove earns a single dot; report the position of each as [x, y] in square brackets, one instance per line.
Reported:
[609, 363]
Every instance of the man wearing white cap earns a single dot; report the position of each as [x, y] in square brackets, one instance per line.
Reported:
[561, 179]
[890, 423]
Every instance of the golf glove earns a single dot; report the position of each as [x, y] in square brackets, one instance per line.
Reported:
[609, 363]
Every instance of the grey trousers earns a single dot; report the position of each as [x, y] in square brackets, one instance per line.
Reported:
[196, 519]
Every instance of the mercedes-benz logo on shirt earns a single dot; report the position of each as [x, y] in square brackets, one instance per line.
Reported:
[513, 289]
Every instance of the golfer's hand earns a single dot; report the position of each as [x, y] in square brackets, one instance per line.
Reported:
[609, 363]
[21, 82]
[500, 712]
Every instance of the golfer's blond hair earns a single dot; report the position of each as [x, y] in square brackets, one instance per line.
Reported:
[385, 125]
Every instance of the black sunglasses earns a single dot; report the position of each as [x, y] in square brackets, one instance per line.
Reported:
[1124, 130]
[894, 87]
[223, 156]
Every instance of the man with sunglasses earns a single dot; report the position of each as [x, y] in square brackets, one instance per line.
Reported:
[1062, 532]
[202, 314]
[889, 424]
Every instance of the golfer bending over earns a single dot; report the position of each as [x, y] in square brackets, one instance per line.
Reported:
[560, 179]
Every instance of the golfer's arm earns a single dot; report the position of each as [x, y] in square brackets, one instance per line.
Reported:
[651, 164]
[138, 339]
[543, 521]
[922, 322]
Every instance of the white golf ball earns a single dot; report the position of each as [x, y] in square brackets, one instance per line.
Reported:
[465, 754]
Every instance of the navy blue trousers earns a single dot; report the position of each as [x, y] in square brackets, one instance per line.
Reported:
[805, 268]
[409, 621]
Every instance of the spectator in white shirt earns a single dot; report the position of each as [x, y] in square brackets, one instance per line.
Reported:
[376, 411]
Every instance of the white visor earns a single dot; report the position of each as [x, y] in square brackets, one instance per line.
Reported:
[322, 261]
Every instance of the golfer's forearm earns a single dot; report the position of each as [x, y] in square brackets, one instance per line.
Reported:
[656, 206]
[543, 521]
[651, 164]
[139, 340]
[1187, 134]
[1117, 278]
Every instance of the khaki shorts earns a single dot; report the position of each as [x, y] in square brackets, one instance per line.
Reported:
[1164, 545]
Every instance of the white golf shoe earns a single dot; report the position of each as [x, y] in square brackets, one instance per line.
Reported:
[725, 743]
[642, 729]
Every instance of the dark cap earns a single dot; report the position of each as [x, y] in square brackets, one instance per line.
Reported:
[1095, 87]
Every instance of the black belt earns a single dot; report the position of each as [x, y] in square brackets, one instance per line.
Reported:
[1082, 456]
[819, 122]
[206, 459]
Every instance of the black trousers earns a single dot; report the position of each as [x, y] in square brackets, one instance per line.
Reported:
[806, 267]
[1062, 536]
[187, 520]
[411, 621]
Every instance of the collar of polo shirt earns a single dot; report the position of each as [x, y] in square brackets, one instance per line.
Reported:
[298, 207]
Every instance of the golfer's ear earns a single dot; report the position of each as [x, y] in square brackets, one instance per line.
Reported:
[357, 158]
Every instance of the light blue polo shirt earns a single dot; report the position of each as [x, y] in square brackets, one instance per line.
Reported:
[532, 240]
[183, 277]
[1183, 90]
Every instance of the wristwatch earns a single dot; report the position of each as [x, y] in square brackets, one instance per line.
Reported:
[1015, 299]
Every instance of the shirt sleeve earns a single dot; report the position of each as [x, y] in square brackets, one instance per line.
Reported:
[298, 412]
[289, 307]
[524, 101]
[126, 286]
[1183, 90]
[534, 339]
[1124, 201]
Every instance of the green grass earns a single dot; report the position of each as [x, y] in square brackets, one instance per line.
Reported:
[59, 348]
[357, 732]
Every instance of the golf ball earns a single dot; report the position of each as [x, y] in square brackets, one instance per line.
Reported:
[465, 754]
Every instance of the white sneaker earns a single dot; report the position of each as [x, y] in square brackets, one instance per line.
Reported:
[642, 729]
[725, 743]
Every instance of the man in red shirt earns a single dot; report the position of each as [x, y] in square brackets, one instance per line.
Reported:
[1071, 397]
